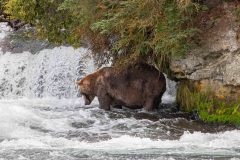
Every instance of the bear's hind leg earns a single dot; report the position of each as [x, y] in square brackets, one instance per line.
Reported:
[149, 104]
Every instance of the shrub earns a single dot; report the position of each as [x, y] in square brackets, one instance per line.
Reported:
[123, 30]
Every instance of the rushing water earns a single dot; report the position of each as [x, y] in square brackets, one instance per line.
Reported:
[41, 117]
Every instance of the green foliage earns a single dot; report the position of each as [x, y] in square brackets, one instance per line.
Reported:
[221, 112]
[50, 23]
[148, 30]
[185, 97]
[125, 30]
[2, 4]
[210, 109]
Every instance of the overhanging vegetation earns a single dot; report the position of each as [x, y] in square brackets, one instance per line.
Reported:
[123, 30]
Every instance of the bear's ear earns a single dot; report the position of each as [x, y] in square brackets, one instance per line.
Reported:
[78, 82]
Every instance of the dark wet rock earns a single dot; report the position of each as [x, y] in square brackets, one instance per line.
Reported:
[122, 127]
[18, 42]
[116, 114]
[86, 124]
[169, 108]
[40, 129]
[149, 116]
[80, 135]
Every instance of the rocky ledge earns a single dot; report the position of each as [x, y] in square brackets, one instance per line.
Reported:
[216, 60]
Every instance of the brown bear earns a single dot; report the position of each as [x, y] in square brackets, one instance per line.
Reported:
[139, 85]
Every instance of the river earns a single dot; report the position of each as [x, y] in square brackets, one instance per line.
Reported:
[42, 117]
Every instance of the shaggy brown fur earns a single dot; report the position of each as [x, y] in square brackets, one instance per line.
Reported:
[140, 85]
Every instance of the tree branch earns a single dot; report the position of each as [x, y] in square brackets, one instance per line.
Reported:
[15, 24]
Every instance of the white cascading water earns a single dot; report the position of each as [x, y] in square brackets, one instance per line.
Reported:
[41, 117]
[49, 73]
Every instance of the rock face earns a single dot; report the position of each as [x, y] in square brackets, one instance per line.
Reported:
[215, 61]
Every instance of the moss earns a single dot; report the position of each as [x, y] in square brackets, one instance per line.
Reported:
[210, 108]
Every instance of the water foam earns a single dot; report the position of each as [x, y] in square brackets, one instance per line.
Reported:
[4, 30]
[38, 123]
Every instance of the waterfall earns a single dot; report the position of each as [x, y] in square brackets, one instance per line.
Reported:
[48, 73]
[169, 96]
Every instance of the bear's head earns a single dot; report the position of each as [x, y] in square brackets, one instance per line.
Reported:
[86, 86]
